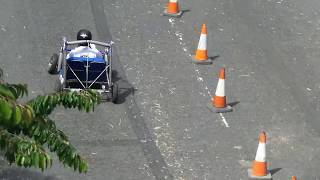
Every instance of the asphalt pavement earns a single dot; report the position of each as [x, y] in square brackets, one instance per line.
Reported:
[164, 126]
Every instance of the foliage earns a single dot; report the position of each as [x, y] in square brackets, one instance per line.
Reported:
[26, 129]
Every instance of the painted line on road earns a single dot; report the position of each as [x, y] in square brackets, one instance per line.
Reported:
[179, 35]
[224, 120]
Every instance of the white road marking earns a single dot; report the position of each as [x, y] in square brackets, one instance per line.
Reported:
[237, 147]
[171, 20]
[179, 35]
[224, 120]
[200, 79]
[244, 75]
[119, 124]
[111, 125]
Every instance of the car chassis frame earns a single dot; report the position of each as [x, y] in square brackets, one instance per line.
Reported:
[106, 92]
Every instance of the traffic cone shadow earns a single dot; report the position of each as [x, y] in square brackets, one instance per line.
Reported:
[275, 170]
[212, 58]
[232, 104]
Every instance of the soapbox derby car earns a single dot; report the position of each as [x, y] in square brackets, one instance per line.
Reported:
[85, 72]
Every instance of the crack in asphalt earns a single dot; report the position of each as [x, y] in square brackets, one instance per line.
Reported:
[152, 153]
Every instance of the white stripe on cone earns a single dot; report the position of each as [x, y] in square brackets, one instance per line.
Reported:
[261, 153]
[220, 91]
[202, 42]
[173, 1]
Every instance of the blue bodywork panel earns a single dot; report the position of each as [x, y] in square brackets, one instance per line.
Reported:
[78, 65]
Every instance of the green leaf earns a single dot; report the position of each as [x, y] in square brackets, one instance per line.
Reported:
[76, 163]
[29, 112]
[87, 106]
[42, 162]
[69, 97]
[16, 116]
[26, 114]
[26, 162]
[13, 91]
[18, 160]
[1, 75]
[24, 89]
[5, 110]
[48, 160]
[19, 91]
[22, 160]
[5, 91]
[36, 159]
[83, 167]
[44, 101]
[36, 131]
[50, 101]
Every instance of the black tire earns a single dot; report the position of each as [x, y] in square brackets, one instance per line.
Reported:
[114, 93]
[53, 64]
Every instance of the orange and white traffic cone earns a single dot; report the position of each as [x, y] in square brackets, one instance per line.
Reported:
[294, 178]
[201, 56]
[259, 169]
[172, 9]
[219, 101]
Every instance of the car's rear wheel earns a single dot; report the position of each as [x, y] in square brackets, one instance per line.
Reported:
[114, 93]
[53, 64]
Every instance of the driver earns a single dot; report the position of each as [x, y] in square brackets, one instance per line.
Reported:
[85, 49]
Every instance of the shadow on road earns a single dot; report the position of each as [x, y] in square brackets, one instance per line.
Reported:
[212, 58]
[232, 104]
[184, 11]
[23, 174]
[125, 88]
[275, 170]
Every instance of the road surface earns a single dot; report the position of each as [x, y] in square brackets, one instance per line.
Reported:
[166, 129]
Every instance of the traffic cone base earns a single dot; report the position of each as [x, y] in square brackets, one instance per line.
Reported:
[202, 55]
[253, 177]
[223, 110]
[219, 101]
[177, 15]
[260, 168]
[197, 61]
[172, 9]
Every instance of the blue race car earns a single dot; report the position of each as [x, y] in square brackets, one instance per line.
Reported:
[85, 67]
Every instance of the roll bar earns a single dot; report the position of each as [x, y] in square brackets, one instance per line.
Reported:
[89, 41]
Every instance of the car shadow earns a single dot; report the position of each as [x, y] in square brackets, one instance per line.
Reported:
[124, 88]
